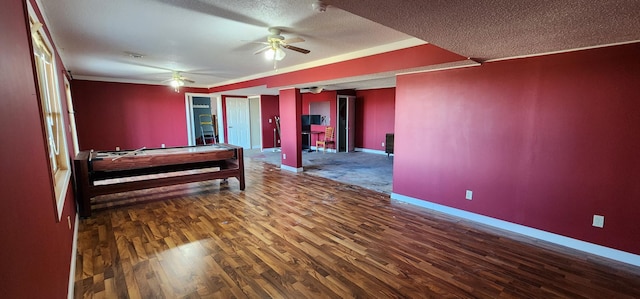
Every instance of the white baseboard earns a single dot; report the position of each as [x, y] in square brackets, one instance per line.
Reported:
[292, 169]
[371, 151]
[74, 255]
[592, 248]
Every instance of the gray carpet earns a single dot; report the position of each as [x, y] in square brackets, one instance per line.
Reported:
[367, 170]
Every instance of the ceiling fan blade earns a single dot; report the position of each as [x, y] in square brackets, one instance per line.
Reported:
[262, 50]
[293, 40]
[294, 48]
[188, 80]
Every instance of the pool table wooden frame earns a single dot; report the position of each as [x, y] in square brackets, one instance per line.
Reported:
[217, 161]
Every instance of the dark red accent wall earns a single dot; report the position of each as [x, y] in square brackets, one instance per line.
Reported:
[129, 115]
[375, 116]
[269, 108]
[325, 96]
[545, 142]
[36, 249]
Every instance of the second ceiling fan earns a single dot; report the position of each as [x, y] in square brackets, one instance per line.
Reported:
[276, 44]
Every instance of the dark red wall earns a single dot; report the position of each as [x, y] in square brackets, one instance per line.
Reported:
[375, 116]
[36, 250]
[325, 96]
[129, 115]
[545, 142]
[291, 127]
[269, 108]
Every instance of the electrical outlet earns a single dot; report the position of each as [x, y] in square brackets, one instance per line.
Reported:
[284, 156]
[269, 120]
[162, 145]
[469, 195]
[598, 221]
[117, 148]
[383, 144]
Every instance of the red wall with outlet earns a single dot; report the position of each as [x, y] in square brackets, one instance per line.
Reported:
[291, 127]
[128, 115]
[269, 108]
[375, 116]
[36, 249]
[546, 142]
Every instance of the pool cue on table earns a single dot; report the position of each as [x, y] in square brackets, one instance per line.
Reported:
[129, 153]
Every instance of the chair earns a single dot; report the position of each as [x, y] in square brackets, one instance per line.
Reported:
[328, 139]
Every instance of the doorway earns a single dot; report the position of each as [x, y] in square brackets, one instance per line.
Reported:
[197, 104]
[345, 135]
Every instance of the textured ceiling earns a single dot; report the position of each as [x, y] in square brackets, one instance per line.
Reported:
[213, 41]
[494, 29]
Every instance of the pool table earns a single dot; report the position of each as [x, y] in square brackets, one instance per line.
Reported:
[102, 172]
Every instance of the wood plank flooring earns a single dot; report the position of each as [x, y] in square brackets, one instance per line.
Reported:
[300, 236]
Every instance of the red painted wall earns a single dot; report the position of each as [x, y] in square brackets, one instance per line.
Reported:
[330, 96]
[269, 108]
[375, 116]
[413, 57]
[545, 142]
[291, 127]
[129, 115]
[36, 249]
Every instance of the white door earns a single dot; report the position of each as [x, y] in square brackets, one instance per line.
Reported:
[238, 124]
[351, 124]
[346, 130]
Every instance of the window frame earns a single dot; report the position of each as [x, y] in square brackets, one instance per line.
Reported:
[51, 113]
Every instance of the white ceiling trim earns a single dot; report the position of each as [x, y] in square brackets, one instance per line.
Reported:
[412, 42]
[564, 51]
[443, 67]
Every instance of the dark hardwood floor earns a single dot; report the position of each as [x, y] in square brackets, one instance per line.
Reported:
[300, 236]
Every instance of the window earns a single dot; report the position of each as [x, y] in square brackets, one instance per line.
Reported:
[52, 114]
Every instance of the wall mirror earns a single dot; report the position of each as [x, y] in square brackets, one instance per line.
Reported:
[323, 109]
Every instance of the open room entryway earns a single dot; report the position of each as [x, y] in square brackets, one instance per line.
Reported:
[204, 119]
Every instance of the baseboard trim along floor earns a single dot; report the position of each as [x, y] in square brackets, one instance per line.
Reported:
[591, 248]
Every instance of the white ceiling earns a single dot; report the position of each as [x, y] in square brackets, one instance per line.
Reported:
[213, 41]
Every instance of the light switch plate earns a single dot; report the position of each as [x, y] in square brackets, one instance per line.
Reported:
[598, 221]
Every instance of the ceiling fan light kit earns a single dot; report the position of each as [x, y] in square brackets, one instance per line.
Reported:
[176, 83]
[177, 80]
[275, 45]
[275, 53]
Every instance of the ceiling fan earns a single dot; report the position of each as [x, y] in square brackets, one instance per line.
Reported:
[177, 80]
[276, 43]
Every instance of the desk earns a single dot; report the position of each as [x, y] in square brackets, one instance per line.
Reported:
[311, 133]
[95, 169]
